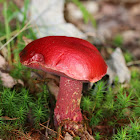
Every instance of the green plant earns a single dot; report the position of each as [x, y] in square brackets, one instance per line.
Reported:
[39, 113]
[87, 104]
[0, 116]
[97, 94]
[11, 12]
[121, 135]
[136, 108]
[92, 103]
[86, 15]
[7, 31]
[128, 57]
[24, 13]
[96, 117]
[9, 100]
[118, 40]
[6, 130]
[18, 104]
[123, 99]
[118, 102]
[19, 71]
[97, 136]
[128, 132]
[133, 130]
[76, 138]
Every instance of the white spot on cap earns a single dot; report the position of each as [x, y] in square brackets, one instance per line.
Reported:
[37, 58]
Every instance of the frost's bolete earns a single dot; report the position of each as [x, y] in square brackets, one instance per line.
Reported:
[74, 60]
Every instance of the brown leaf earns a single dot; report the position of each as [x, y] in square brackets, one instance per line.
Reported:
[9, 81]
[54, 89]
[3, 62]
[7, 118]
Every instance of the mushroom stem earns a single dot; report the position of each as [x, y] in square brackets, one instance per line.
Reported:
[68, 101]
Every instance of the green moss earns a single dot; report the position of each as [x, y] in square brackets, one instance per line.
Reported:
[102, 105]
[128, 57]
[118, 40]
[18, 105]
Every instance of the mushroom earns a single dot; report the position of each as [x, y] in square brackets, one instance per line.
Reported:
[75, 61]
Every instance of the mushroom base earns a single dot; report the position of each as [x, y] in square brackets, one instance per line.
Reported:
[68, 101]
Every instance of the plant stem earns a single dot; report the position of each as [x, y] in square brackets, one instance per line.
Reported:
[7, 30]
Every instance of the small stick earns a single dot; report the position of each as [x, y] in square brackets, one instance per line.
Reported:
[50, 129]
[133, 63]
[24, 28]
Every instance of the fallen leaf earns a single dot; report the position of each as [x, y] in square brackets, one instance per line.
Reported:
[9, 81]
[53, 87]
[26, 40]
[68, 136]
[130, 36]
[7, 118]
[3, 62]
[134, 18]
[111, 18]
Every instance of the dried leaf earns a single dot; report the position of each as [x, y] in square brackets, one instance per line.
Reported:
[53, 87]
[9, 81]
[3, 62]
[7, 118]
[68, 136]
[26, 40]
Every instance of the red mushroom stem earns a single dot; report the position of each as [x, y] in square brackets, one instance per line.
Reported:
[68, 101]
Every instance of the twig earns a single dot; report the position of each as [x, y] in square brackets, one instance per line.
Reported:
[12, 33]
[24, 28]
[28, 137]
[50, 129]
[133, 63]
[46, 122]
[8, 118]
[71, 132]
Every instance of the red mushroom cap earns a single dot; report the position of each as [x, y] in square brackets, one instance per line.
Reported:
[65, 56]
